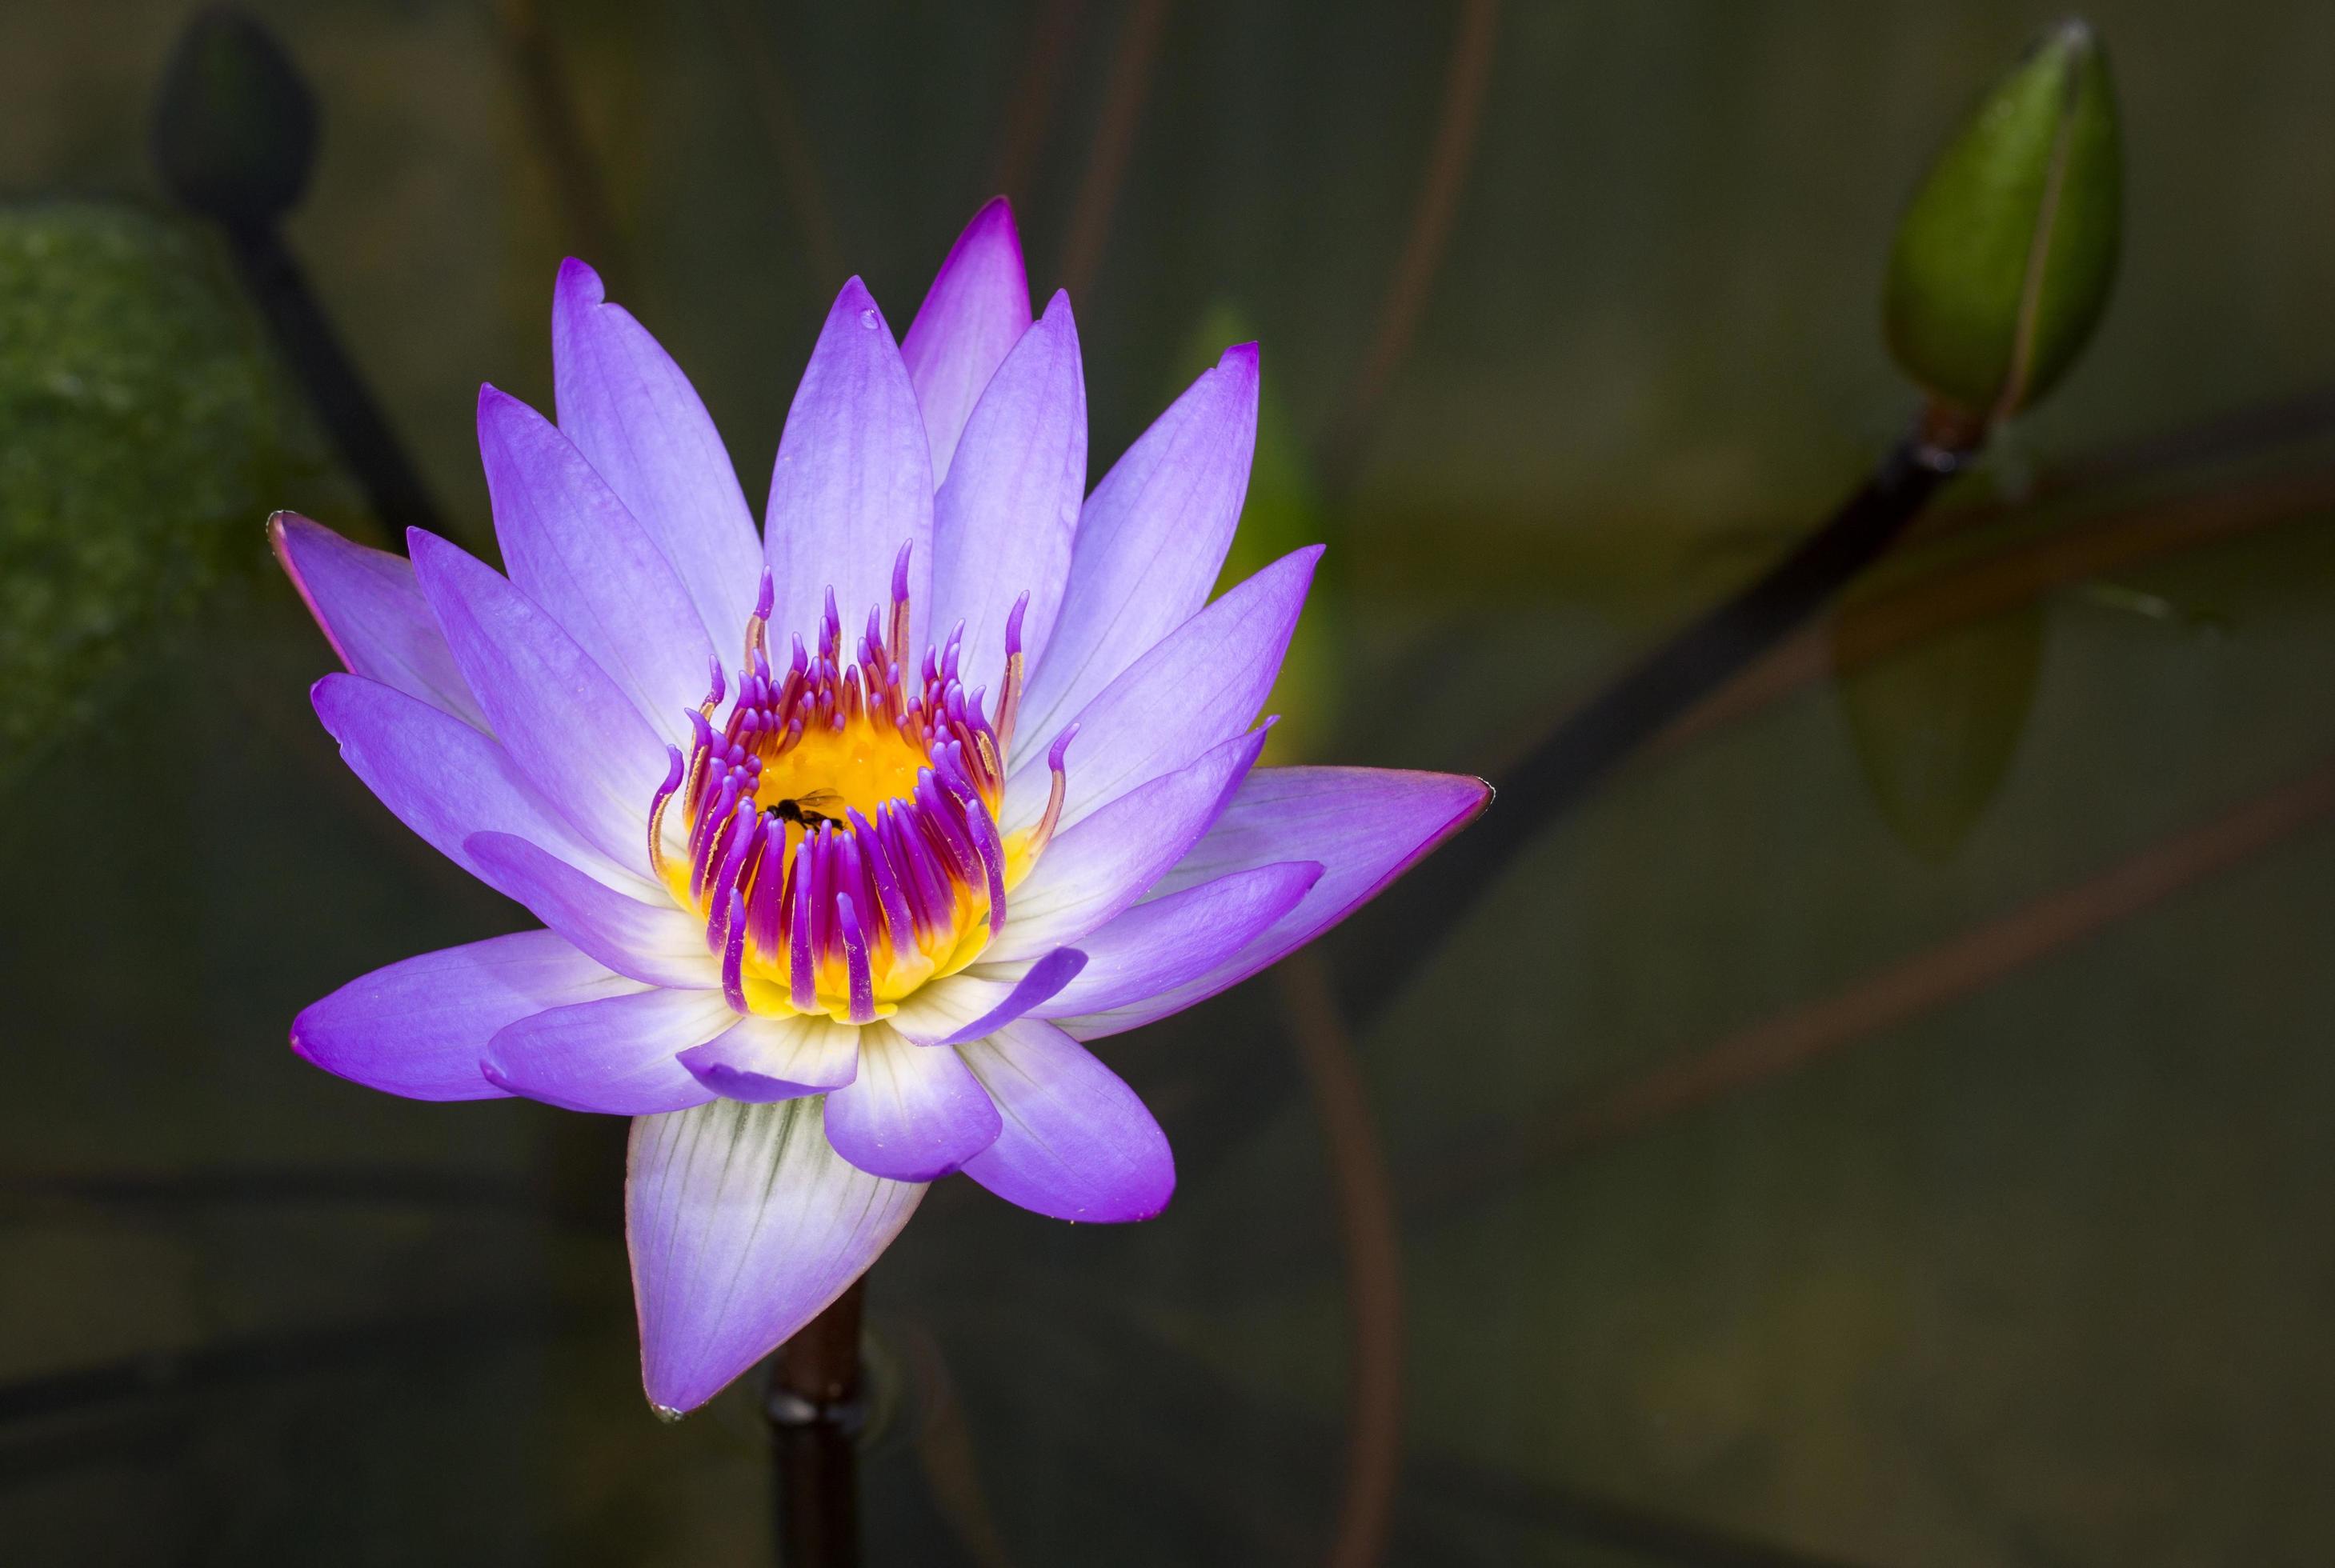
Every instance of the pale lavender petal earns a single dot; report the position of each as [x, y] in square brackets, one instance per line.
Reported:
[769, 1059]
[743, 1226]
[1003, 523]
[1367, 825]
[445, 779]
[1150, 543]
[371, 610]
[1163, 942]
[572, 547]
[853, 480]
[976, 310]
[555, 710]
[1076, 1143]
[1196, 689]
[618, 1056]
[640, 424]
[912, 1114]
[1091, 872]
[418, 1028]
[650, 942]
[966, 1006]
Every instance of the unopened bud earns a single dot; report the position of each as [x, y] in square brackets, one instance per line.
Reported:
[2002, 262]
[234, 127]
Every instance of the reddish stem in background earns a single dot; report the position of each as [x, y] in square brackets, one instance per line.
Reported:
[1122, 110]
[1960, 966]
[1034, 95]
[1373, 1261]
[1430, 226]
[775, 105]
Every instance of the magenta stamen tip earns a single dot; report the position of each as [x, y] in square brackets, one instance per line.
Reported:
[767, 596]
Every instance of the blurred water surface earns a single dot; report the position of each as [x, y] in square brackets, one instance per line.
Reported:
[1887, 1126]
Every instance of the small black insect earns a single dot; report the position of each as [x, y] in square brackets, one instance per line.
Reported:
[806, 811]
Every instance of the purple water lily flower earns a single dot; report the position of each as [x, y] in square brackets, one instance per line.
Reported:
[846, 837]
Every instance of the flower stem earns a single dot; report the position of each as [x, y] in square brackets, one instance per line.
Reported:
[816, 1413]
[1567, 767]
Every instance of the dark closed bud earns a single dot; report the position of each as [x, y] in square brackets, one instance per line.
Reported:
[234, 127]
[2002, 262]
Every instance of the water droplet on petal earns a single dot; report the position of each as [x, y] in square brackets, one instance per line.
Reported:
[666, 1413]
[869, 318]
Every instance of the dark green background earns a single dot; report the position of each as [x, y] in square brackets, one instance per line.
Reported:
[2037, 1274]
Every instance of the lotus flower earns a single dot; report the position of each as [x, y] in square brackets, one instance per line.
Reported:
[847, 837]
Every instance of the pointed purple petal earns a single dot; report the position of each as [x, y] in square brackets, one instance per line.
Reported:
[555, 710]
[1001, 525]
[1077, 1144]
[976, 310]
[617, 1056]
[572, 547]
[1159, 946]
[743, 1226]
[445, 779]
[1367, 825]
[368, 608]
[771, 1058]
[853, 480]
[1091, 872]
[650, 942]
[638, 421]
[961, 1007]
[419, 1026]
[1151, 542]
[912, 1114]
[1195, 690]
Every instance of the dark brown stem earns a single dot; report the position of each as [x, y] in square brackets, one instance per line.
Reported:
[1383, 948]
[358, 427]
[815, 1414]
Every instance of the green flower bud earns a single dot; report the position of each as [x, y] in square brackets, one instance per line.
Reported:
[2003, 260]
[234, 127]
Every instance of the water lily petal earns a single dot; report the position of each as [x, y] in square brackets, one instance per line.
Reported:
[656, 942]
[445, 779]
[911, 1114]
[770, 1058]
[744, 1225]
[1203, 684]
[419, 1026]
[566, 725]
[1367, 825]
[575, 550]
[976, 310]
[1002, 522]
[1162, 942]
[617, 1056]
[1151, 542]
[853, 480]
[640, 424]
[1093, 871]
[966, 1006]
[1077, 1144]
[370, 609]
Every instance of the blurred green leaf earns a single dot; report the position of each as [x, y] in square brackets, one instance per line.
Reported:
[140, 441]
[2003, 261]
[1936, 724]
[1283, 512]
